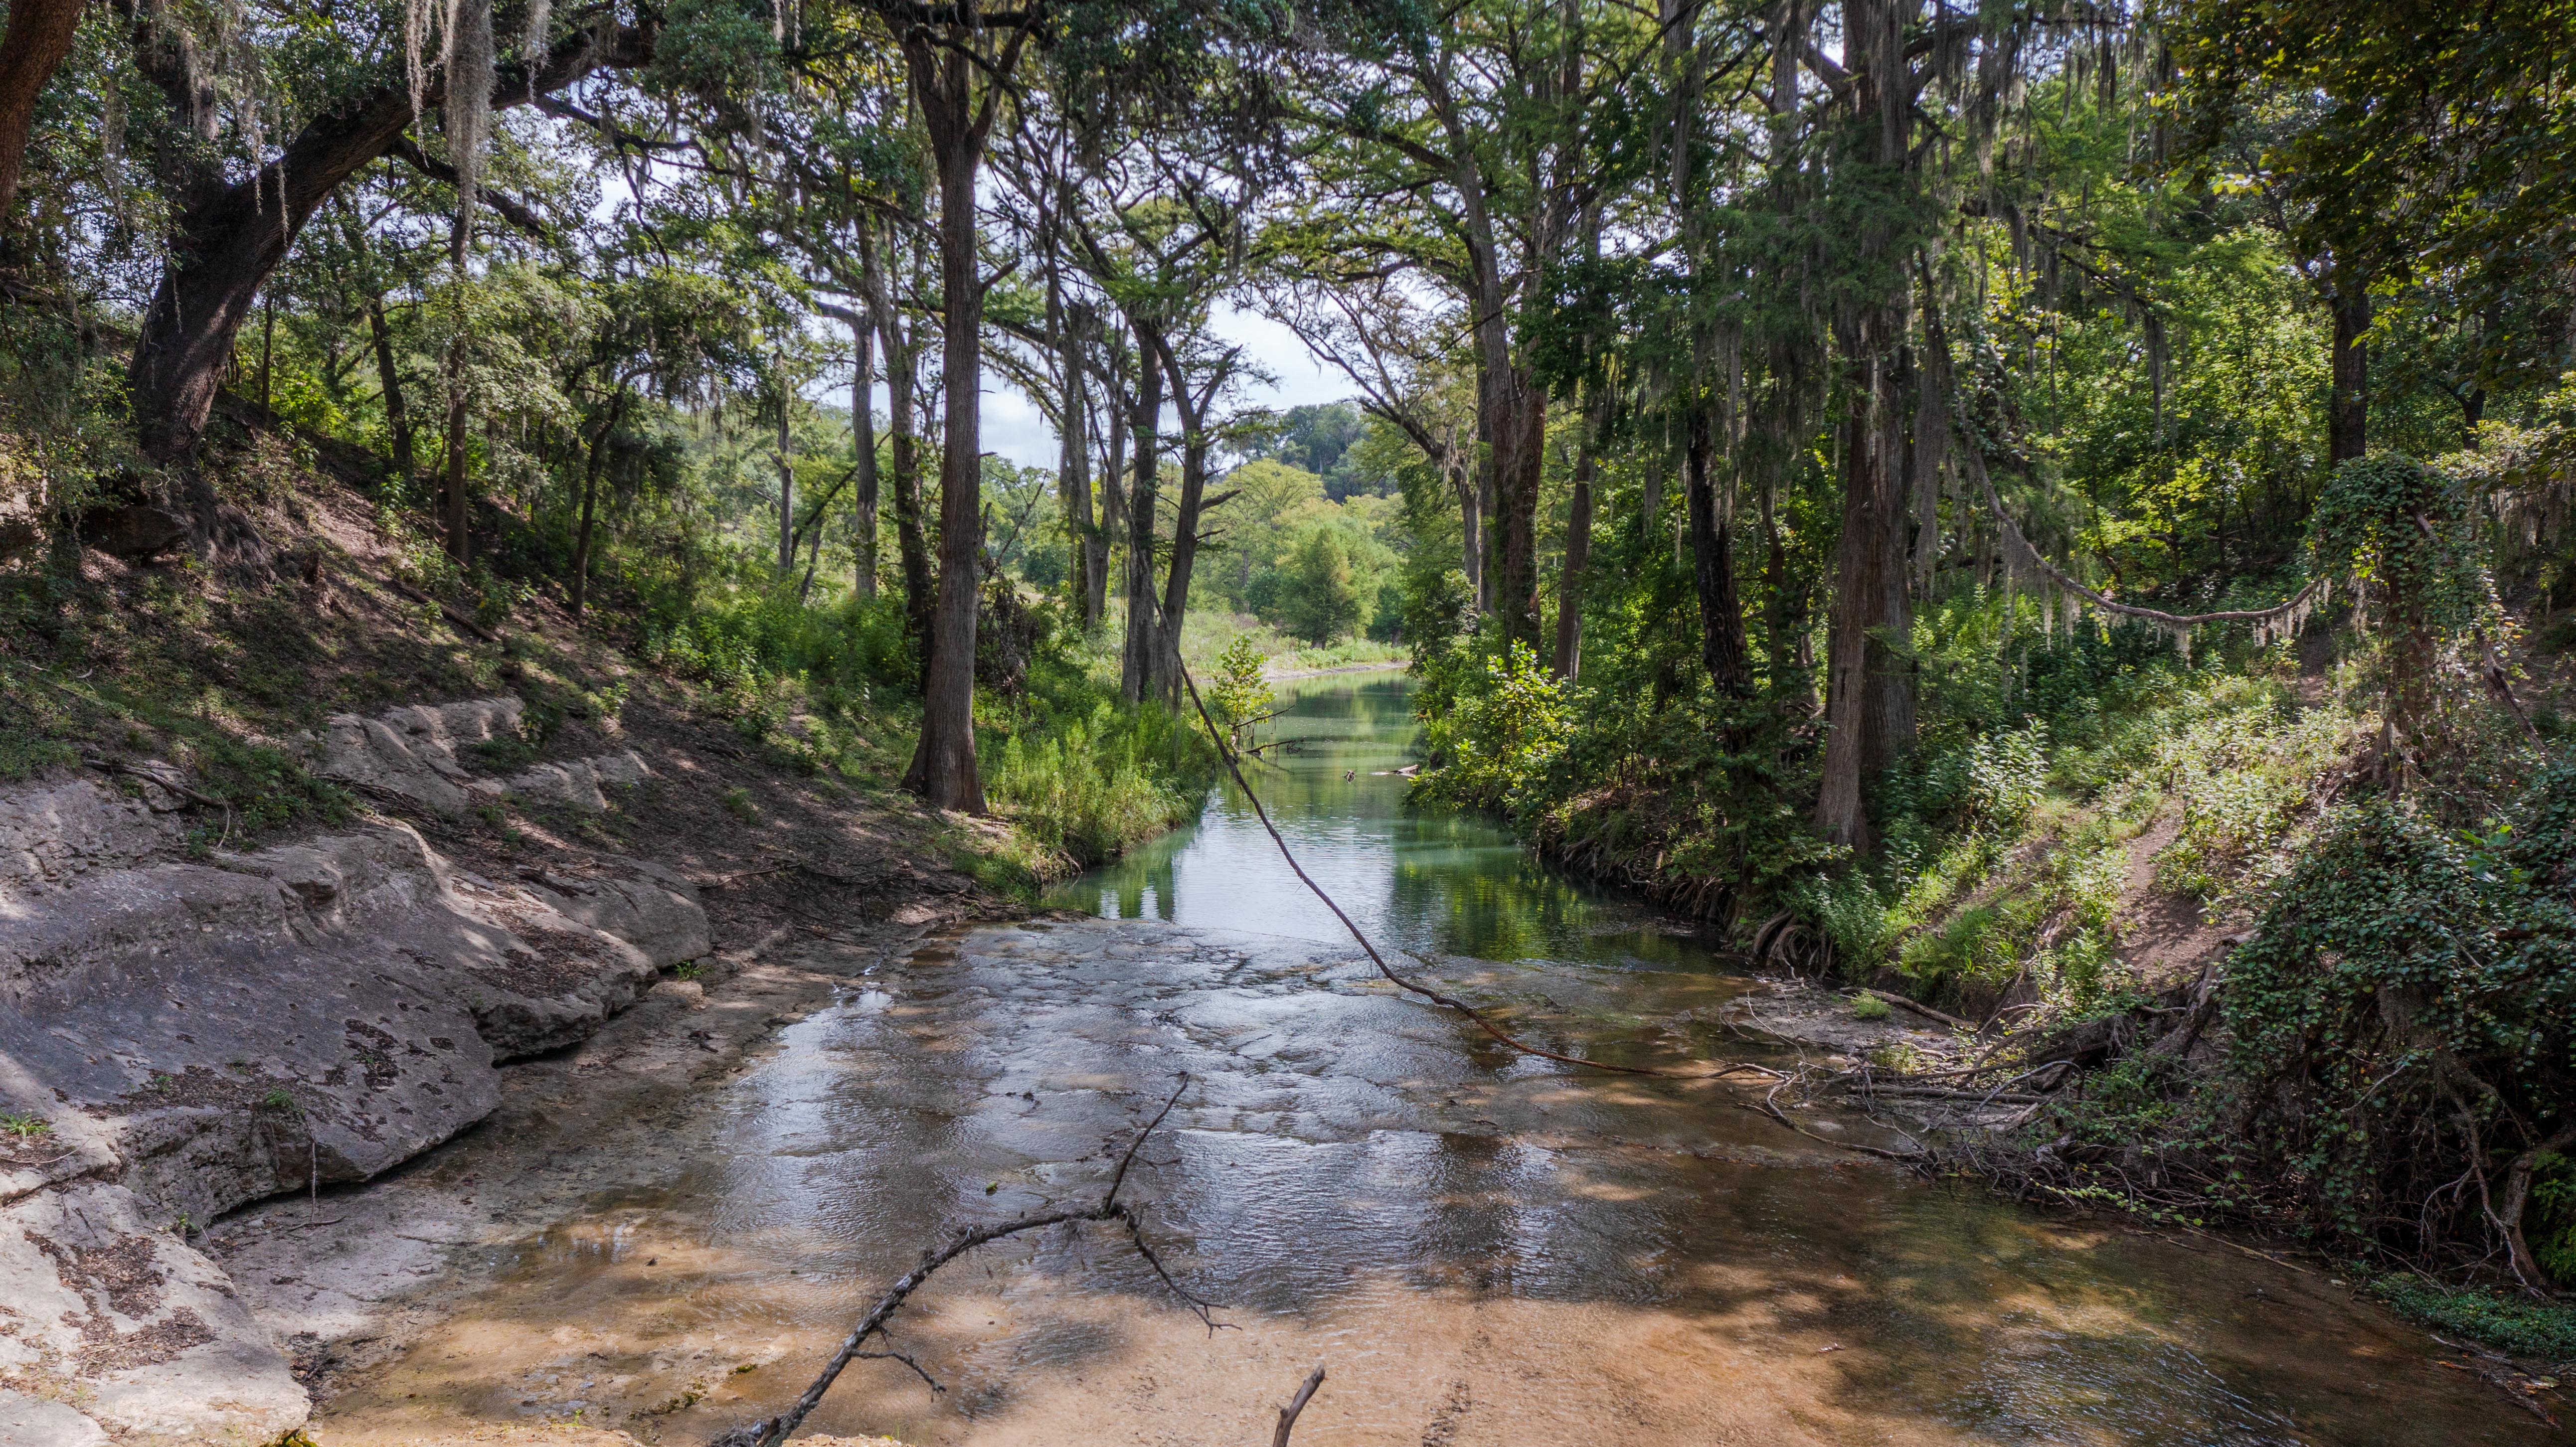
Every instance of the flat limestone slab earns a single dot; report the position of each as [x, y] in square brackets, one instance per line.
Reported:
[144, 1333]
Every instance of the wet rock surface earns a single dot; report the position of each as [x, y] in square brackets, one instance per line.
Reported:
[1483, 1248]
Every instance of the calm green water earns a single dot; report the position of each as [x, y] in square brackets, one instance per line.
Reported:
[1429, 882]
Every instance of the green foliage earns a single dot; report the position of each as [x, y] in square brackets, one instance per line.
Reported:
[2550, 1223]
[1240, 696]
[2545, 1330]
[2402, 1016]
[25, 1125]
[1320, 597]
[1094, 785]
[1870, 1007]
[1498, 738]
[2403, 530]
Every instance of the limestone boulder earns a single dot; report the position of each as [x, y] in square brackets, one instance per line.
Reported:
[412, 752]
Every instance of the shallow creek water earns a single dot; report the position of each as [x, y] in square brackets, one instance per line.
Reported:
[1480, 1247]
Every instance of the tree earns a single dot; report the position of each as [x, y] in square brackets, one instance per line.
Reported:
[1464, 150]
[227, 235]
[39, 35]
[2405, 141]
[1320, 597]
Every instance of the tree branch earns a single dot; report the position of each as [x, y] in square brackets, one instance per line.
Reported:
[512, 210]
[772, 1431]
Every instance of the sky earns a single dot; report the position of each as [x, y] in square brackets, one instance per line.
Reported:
[1016, 429]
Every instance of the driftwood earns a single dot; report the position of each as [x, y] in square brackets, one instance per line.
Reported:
[772, 1431]
[1919, 1008]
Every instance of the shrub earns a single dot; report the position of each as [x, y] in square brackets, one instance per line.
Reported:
[1095, 785]
[1502, 732]
[2546, 1330]
[2404, 1019]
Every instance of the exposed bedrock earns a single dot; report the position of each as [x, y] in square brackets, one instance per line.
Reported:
[197, 1033]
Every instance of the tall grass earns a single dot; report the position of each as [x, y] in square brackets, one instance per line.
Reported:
[1094, 785]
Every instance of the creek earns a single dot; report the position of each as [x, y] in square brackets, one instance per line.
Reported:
[1479, 1246]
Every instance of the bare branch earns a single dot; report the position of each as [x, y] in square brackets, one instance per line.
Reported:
[772, 1431]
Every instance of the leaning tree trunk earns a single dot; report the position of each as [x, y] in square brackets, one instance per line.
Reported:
[389, 380]
[943, 766]
[1165, 681]
[590, 501]
[39, 36]
[228, 235]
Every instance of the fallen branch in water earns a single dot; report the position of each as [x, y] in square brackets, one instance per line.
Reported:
[1400, 982]
[771, 1431]
[1297, 1404]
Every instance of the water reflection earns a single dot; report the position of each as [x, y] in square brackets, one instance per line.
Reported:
[1427, 881]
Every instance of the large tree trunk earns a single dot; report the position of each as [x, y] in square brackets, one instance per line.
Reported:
[1520, 459]
[39, 36]
[2348, 413]
[944, 767]
[1578, 558]
[863, 457]
[1512, 420]
[1869, 698]
[1136, 661]
[1723, 649]
[389, 381]
[1869, 570]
